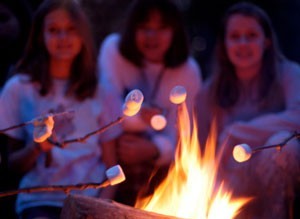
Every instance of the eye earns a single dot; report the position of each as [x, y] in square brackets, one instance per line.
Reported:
[71, 28]
[52, 29]
[234, 36]
[252, 35]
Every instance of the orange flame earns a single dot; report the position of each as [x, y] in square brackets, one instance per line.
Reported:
[189, 190]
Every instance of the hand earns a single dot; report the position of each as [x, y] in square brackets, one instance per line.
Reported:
[135, 149]
[46, 146]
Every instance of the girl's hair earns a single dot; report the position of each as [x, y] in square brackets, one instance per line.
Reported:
[35, 62]
[139, 13]
[225, 86]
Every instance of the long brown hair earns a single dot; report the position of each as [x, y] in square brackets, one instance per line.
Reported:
[139, 12]
[225, 86]
[35, 62]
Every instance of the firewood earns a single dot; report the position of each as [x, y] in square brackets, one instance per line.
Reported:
[83, 207]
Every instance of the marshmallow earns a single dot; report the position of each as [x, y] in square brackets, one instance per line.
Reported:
[242, 152]
[115, 175]
[133, 102]
[134, 99]
[43, 127]
[158, 122]
[178, 94]
[130, 112]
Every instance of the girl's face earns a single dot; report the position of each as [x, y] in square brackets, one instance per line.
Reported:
[153, 38]
[61, 37]
[245, 42]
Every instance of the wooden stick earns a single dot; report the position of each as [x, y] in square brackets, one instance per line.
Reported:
[280, 145]
[31, 122]
[84, 138]
[64, 188]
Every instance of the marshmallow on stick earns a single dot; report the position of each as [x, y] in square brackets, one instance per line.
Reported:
[242, 152]
[133, 102]
[178, 94]
[115, 175]
[43, 127]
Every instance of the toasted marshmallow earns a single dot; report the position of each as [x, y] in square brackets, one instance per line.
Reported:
[133, 102]
[43, 127]
[178, 94]
[242, 152]
[130, 112]
[115, 175]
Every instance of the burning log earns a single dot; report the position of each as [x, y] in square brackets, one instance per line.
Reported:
[77, 206]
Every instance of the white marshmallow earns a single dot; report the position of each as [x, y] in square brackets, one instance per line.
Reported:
[133, 102]
[178, 94]
[242, 152]
[115, 175]
[134, 98]
[43, 127]
[158, 122]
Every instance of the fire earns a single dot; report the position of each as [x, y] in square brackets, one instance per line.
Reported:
[190, 188]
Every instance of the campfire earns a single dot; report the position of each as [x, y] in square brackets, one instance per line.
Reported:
[190, 189]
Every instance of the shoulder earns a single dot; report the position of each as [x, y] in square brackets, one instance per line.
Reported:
[17, 81]
[290, 66]
[192, 65]
[290, 70]
[106, 94]
[109, 54]
[110, 42]
[190, 68]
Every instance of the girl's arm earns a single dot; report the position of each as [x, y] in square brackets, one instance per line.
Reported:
[256, 131]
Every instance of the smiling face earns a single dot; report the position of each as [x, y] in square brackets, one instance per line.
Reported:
[153, 38]
[245, 43]
[61, 37]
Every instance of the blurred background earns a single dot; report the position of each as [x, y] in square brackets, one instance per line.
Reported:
[202, 18]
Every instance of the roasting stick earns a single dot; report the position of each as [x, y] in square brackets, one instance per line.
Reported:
[114, 175]
[131, 106]
[84, 138]
[243, 152]
[36, 120]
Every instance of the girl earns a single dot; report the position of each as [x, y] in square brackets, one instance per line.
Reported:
[253, 96]
[152, 54]
[57, 74]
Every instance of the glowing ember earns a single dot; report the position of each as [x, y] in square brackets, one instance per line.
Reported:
[190, 189]
[158, 122]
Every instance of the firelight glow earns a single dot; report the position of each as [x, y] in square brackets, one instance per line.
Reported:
[190, 189]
